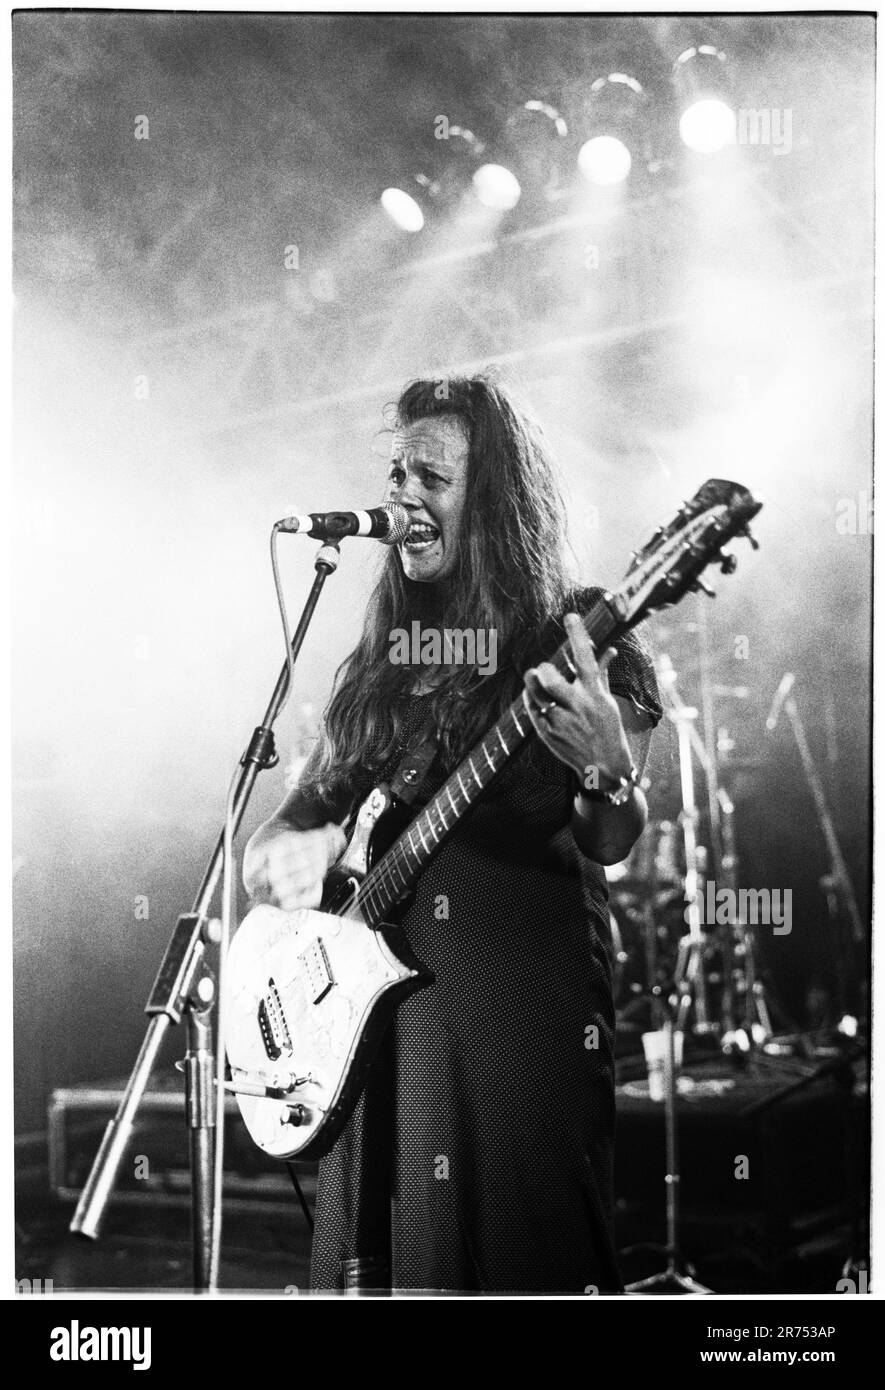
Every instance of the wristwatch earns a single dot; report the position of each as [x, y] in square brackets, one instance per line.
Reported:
[619, 793]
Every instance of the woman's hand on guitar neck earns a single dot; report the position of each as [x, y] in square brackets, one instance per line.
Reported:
[286, 867]
[579, 720]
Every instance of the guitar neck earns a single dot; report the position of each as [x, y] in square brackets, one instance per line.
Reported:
[396, 872]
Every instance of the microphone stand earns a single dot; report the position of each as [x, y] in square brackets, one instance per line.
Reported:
[185, 987]
[679, 1276]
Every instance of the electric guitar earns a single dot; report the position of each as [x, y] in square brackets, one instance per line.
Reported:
[309, 993]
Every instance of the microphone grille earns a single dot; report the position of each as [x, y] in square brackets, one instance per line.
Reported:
[399, 523]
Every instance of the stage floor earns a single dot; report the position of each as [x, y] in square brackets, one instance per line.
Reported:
[789, 1227]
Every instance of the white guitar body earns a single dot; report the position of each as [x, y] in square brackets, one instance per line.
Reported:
[306, 991]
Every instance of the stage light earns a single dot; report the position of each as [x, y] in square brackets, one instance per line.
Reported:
[706, 120]
[496, 187]
[604, 160]
[531, 150]
[614, 113]
[707, 125]
[402, 209]
[448, 163]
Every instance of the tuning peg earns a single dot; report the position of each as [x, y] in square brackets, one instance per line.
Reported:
[728, 562]
[700, 587]
[750, 537]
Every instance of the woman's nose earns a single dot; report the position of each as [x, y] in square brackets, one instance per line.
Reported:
[407, 493]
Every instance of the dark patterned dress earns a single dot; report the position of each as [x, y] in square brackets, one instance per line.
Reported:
[479, 1156]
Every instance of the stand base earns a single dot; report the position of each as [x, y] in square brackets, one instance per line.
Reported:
[668, 1281]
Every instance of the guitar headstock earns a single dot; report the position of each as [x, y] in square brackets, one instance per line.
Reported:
[674, 559]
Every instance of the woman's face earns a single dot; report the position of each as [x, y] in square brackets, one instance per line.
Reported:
[428, 476]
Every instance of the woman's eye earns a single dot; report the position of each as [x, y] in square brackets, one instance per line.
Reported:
[431, 480]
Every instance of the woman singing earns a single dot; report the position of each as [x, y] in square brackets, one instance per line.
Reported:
[479, 1156]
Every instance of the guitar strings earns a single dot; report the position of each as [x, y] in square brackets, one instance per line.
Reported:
[380, 877]
[379, 884]
[379, 881]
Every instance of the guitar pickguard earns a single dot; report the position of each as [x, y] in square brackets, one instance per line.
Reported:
[379, 821]
[356, 857]
[310, 996]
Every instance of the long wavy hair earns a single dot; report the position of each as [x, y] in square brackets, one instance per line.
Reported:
[509, 575]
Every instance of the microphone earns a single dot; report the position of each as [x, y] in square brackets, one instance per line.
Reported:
[388, 524]
[777, 703]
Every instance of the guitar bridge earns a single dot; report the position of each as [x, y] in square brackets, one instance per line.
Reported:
[272, 1022]
[317, 971]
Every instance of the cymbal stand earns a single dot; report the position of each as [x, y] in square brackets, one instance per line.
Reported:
[756, 1028]
[683, 716]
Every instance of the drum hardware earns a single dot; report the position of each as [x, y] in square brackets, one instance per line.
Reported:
[694, 984]
[754, 1027]
[723, 993]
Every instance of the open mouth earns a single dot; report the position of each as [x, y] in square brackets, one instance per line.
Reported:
[421, 536]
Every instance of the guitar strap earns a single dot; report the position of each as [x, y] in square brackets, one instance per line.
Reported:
[405, 784]
[410, 776]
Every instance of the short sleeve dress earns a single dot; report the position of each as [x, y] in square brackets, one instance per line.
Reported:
[479, 1156]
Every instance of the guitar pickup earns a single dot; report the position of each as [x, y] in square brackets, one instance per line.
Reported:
[317, 971]
[272, 1022]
